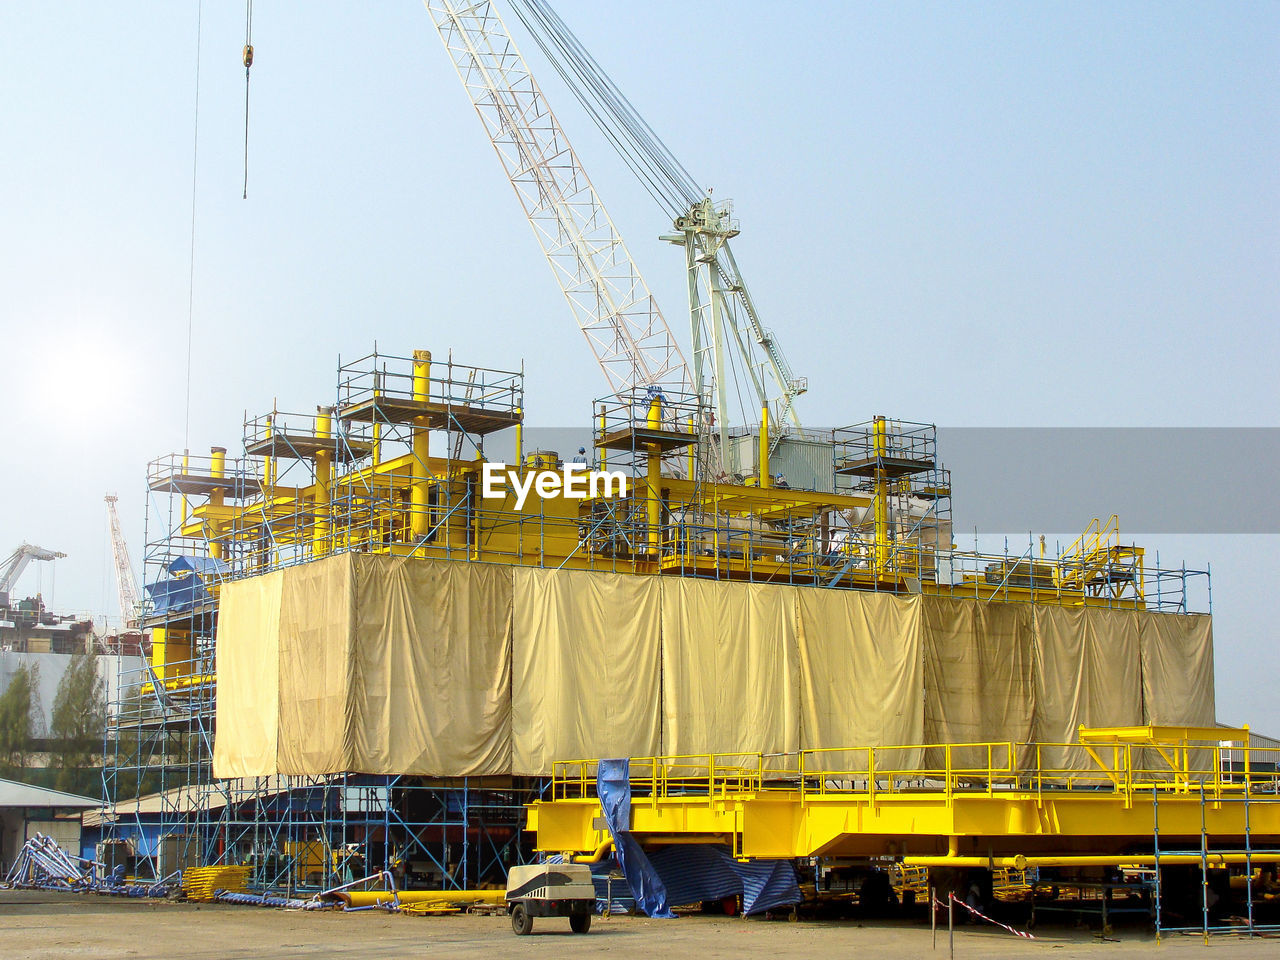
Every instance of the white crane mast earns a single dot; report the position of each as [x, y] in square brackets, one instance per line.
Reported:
[609, 298]
[125, 584]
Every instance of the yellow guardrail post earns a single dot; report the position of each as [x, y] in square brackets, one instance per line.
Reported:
[948, 785]
[1247, 751]
[801, 765]
[1039, 777]
[871, 776]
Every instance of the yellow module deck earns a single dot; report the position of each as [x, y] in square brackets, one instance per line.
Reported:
[1098, 801]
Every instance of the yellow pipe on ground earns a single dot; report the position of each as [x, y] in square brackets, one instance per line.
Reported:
[369, 898]
[1021, 862]
[419, 496]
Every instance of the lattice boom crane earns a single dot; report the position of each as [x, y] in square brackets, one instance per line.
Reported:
[608, 296]
[125, 583]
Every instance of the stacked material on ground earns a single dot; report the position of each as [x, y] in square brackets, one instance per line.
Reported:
[204, 883]
[42, 863]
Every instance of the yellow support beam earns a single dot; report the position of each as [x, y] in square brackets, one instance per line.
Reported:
[1000, 810]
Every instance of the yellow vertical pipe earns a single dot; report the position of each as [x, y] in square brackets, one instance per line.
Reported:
[693, 453]
[519, 438]
[604, 453]
[324, 478]
[186, 468]
[217, 468]
[476, 503]
[419, 495]
[377, 424]
[263, 558]
[266, 461]
[880, 447]
[766, 477]
[654, 478]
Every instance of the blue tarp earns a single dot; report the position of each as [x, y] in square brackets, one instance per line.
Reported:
[185, 588]
[176, 594]
[613, 786]
[683, 874]
[204, 566]
[696, 872]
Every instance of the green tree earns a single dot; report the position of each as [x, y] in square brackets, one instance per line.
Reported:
[78, 723]
[18, 706]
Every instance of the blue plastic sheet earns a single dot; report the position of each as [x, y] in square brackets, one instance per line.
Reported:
[696, 872]
[204, 566]
[185, 589]
[686, 873]
[613, 786]
[176, 594]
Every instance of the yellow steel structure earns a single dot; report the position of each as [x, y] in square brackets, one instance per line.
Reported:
[1100, 806]
[365, 475]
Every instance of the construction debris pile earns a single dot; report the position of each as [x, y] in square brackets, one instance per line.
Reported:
[42, 864]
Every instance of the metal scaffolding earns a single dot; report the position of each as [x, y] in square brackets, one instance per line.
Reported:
[398, 462]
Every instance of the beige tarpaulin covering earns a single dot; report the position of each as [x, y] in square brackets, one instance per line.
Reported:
[1177, 682]
[371, 664]
[978, 679]
[431, 686]
[730, 668]
[1088, 674]
[1008, 671]
[248, 694]
[1177, 670]
[316, 616]
[366, 664]
[953, 694]
[585, 667]
[862, 676]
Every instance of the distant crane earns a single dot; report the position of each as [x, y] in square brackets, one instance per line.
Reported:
[18, 561]
[125, 584]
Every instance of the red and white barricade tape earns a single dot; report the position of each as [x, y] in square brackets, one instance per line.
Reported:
[978, 913]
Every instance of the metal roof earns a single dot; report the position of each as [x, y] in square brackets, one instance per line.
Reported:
[14, 794]
[186, 799]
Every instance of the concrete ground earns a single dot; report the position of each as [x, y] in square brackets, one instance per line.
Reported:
[35, 925]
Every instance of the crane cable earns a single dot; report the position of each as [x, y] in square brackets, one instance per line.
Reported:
[247, 58]
[653, 163]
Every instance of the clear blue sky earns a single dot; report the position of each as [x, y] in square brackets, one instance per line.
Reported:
[974, 214]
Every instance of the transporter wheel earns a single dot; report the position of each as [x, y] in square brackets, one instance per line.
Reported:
[580, 922]
[521, 922]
